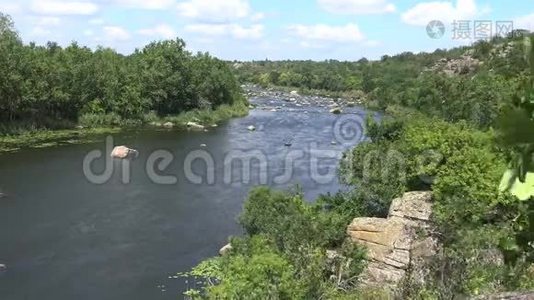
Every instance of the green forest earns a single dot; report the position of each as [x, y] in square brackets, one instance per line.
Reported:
[468, 112]
[51, 87]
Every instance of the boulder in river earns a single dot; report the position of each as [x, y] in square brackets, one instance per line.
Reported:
[195, 126]
[294, 93]
[225, 250]
[123, 152]
[251, 128]
[168, 125]
[3, 268]
[336, 111]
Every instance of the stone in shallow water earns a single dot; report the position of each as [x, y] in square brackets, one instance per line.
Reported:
[168, 125]
[194, 126]
[123, 152]
[336, 111]
[225, 250]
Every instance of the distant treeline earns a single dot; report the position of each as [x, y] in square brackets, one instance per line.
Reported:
[47, 86]
[411, 80]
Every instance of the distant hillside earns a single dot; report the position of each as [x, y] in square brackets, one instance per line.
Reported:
[474, 80]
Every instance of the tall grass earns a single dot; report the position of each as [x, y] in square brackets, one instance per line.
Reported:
[15, 136]
[209, 116]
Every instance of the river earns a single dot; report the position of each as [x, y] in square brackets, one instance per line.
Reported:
[64, 237]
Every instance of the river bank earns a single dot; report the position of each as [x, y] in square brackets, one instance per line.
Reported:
[41, 138]
[285, 98]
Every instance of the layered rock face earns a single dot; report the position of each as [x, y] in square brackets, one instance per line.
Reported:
[465, 64]
[399, 246]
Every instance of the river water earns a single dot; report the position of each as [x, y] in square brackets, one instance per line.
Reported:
[64, 237]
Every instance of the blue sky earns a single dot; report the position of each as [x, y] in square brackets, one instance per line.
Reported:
[254, 29]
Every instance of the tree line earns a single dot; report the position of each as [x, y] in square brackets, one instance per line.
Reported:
[51, 86]
[411, 80]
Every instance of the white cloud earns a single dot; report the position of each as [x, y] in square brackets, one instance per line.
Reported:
[147, 4]
[62, 7]
[40, 31]
[116, 33]
[88, 32]
[372, 43]
[525, 22]
[354, 7]
[10, 8]
[312, 34]
[233, 30]
[47, 21]
[214, 10]
[444, 11]
[257, 17]
[162, 30]
[96, 21]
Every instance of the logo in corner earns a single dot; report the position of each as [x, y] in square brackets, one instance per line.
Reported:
[435, 29]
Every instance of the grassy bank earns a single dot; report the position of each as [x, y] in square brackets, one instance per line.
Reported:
[207, 116]
[14, 140]
[48, 138]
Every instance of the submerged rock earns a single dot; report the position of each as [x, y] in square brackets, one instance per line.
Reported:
[3, 268]
[336, 111]
[195, 126]
[123, 152]
[168, 125]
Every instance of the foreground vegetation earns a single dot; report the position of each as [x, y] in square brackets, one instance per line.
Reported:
[455, 135]
[46, 88]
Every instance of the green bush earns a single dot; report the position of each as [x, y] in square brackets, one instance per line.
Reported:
[100, 120]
